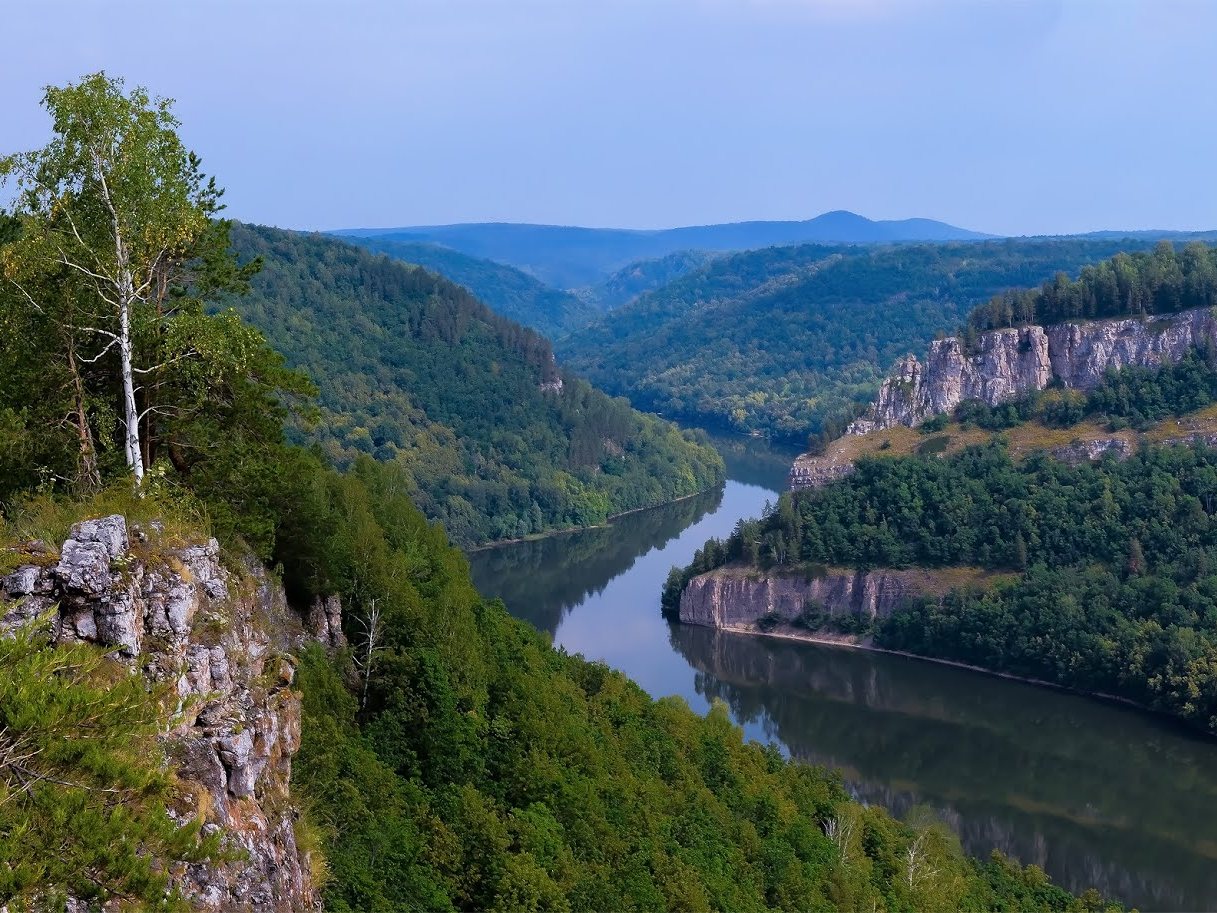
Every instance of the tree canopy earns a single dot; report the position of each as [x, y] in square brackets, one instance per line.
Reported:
[792, 341]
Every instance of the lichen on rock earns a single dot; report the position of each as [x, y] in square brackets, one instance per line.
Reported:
[177, 615]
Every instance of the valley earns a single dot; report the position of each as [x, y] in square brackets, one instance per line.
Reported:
[806, 562]
[1095, 794]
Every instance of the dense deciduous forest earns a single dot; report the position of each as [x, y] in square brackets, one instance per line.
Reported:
[461, 405]
[1117, 592]
[506, 290]
[792, 341]
[1134, 397]
[460, 764]
[644, 276]
[1129, 284]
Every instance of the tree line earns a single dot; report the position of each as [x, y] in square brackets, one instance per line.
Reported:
[1117, 563]
[1160, 281]
[451, 758]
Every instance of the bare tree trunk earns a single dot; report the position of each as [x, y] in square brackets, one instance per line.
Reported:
[373, 631]
[88, 475]
[126, 296]
[126, 292]
[135, 456]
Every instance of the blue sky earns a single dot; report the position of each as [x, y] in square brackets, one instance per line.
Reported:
[1010, 116]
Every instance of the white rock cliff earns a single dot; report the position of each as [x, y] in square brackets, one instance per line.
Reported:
[176, 615]
[1013, 362]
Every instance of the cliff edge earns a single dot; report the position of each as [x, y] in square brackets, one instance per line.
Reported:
[174, 614]
[1011, 363]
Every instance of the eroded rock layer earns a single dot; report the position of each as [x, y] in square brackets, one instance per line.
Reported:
[176, 615]
[733, 597]
[1010, 363]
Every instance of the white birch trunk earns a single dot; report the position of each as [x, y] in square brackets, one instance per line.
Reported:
[135, 455]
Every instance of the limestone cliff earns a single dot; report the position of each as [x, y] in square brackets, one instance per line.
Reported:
[1012, 362]
[175, 614]
[737, 597]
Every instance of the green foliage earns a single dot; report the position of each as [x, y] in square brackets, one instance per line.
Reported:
[794, 340]
[84, 791]
[418, 374]
[1160, 281]
[505, 290]
[1118, 595]
[1134, 396]
[490, 772]
[109, 261]
[644, 276]
[451, 758]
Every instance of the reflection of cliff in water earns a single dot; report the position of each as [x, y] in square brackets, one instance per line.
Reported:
[1097, 795]
[541, 579]
[755, 461]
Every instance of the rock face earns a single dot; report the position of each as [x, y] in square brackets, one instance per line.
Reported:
[176, 615]
[1087, 451]
[731, 597]
[815, 472]
[1013, 362]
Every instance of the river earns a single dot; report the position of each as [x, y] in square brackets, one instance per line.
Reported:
[1094, 793]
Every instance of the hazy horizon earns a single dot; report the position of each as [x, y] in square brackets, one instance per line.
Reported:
[1011, 118]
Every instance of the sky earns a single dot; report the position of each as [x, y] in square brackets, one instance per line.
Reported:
[1006, 116]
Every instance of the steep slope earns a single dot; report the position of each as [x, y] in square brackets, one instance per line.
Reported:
[572, 257]
[1076, 350]
[218, 642]
[783, 340]
[644, 276]
[505, 289]
[486, 432]
[1109, 586]
[485, 770]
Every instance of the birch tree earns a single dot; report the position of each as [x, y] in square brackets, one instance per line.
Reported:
[117, 200]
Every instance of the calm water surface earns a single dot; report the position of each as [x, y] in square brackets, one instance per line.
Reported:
[1096, 794]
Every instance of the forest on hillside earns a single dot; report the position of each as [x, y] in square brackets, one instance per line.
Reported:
[1115, 562]
[457, 761]
[793, 341]
[1135, 284]
[463, 405]
[506, 290]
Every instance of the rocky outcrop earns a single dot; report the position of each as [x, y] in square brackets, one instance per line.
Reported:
[817, 471]
[324, 623]
[176, 615]
[1013, 362]
[735, 597]
[1084, 451]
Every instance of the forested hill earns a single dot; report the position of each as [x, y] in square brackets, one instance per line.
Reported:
[787, 340]
[463, 403]
[642, 276]
[1150, 282]
[504, 289]
[574, 257]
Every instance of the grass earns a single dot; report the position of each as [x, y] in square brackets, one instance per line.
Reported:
[1023, 439]
[169, 516]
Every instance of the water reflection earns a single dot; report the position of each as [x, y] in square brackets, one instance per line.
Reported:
[540, 579]
[1094, 793]
[754, 461]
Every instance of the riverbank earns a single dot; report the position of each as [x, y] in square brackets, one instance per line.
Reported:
[567, 530]
[853, 642]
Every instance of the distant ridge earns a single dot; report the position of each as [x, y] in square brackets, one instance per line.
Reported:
[573, 256]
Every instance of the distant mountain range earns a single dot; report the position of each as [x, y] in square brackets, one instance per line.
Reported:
[506, 290]
[787, 340]
[571, 257]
